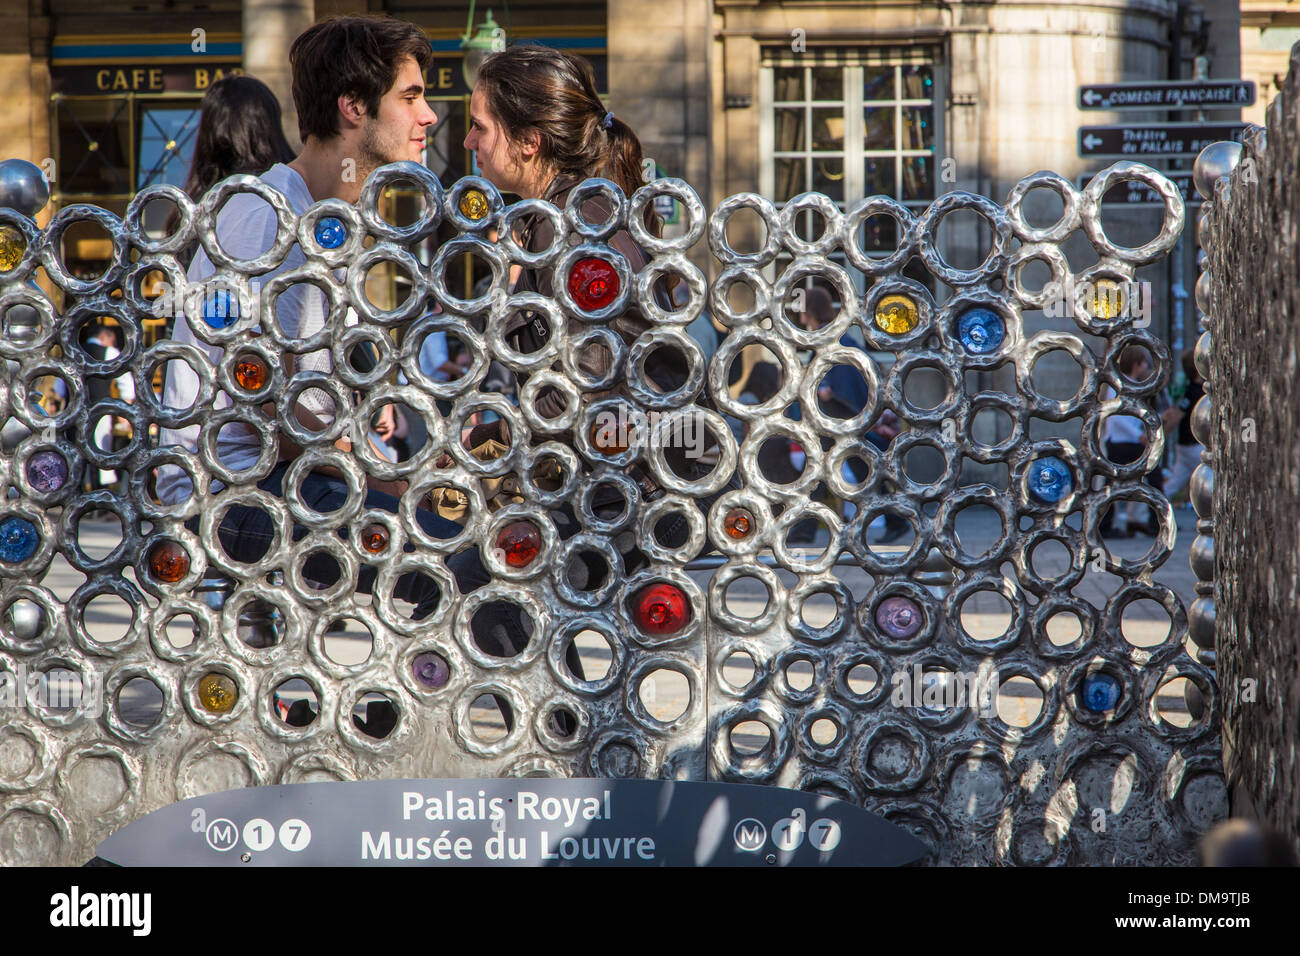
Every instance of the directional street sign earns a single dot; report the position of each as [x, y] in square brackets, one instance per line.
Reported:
[1153, 139]
[1137, 195]
[1178, 95]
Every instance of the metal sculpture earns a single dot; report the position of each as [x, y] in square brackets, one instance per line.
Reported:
[977, 789]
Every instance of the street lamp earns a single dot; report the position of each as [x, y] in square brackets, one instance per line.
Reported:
[490, 38]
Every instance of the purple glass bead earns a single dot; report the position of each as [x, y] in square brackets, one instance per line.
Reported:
[899, 617]
[47, 472]
[431, 670]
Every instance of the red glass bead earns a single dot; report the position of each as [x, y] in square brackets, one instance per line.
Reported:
[661, 609]
[519, 542]
[593, 284]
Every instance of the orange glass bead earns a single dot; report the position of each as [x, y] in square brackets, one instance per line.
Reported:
[739, 522]
[251, 373]
[374, 538]
[169, 562]
[609, 440]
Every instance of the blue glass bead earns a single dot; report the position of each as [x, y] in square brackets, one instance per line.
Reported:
[220, 309]
[18, 540]
[1050, 480]
[331, 233]
[1100, 693]
[47, 472]
[981, 331]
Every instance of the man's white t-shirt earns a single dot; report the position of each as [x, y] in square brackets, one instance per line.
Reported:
[246, 228]
[1121, 428]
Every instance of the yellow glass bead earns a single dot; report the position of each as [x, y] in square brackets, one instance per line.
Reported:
[218, 693]
[1106, 301]
[474, 204]
[12, 247]
[897, 314]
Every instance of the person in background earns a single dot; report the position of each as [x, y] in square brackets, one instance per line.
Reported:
[239, 132]
[1126, 441]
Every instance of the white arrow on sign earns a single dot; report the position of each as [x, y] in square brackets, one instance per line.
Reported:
[1090, 141]
[1091, 97]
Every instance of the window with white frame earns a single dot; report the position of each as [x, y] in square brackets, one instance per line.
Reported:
[851, 123]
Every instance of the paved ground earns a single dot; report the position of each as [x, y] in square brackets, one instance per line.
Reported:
[1145, 623]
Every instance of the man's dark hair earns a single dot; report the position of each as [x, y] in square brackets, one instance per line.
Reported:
[349, 56]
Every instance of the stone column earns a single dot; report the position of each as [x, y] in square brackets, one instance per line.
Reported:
[659, 82]
[270, 27]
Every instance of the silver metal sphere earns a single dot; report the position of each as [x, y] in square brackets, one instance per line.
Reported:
[1202, 292]
[26, 621]
[23, 187]
[1202, 260]
[1201, 490]
[1215, 161]
[1201, 557]
[1202, 321]
[1255, 139]
[1203, 229]
[1202, 423]
[1200, 622]
[1202, 355]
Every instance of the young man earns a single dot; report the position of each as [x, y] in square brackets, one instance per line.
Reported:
[359, 91]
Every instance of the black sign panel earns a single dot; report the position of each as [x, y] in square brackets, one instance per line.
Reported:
[1132, 193]
[1154, 139]
[149, 76]
[1186, 95]
[512, 823]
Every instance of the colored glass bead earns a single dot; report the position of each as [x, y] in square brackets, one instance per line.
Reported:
[1050, 480]
[220, 309]
[12, 247]
[519, 542]
[899, 617]
[374, 538]
[661, 609]
[18, 540]
[330, 232]
[169, 562]
[474, 205]
[218, 693]
[1106, 301]
[47, 472]
[897, 314]
[738, 522]
[593, 284]
[251, 372]
[431, 670]
[1100, 692]
[981, 331]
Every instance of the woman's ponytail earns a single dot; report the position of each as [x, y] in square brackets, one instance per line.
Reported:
[624, 161]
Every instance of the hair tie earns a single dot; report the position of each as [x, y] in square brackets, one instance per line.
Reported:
[608, 121]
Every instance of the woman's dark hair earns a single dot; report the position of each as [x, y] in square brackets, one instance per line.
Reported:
[536, 88]
[239, 132]
[349, 56]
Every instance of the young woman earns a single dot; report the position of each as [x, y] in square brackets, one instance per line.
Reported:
[239, 132]
[538, 129]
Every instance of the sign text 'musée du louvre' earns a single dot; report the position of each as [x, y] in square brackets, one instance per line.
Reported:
[512, 822]
[1170, 95]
